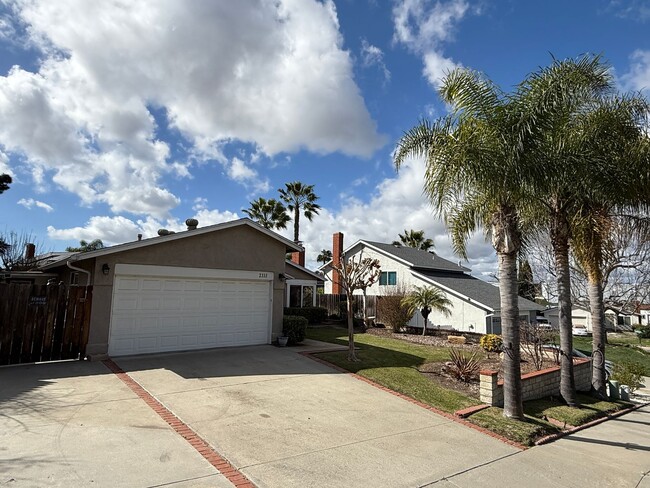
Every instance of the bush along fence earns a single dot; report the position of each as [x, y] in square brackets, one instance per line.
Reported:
[535, 385]
[336, 304]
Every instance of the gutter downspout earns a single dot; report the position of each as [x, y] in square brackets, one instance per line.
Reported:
[87, 273]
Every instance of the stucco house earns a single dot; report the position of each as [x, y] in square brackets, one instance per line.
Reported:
[615, 319]
[214, 286]
[476, 303]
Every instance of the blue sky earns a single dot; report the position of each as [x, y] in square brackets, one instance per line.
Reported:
[119, 118]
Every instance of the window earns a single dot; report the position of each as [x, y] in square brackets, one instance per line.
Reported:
[74, 278]
[388, 278]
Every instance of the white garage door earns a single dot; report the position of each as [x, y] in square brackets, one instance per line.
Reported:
[159, 309]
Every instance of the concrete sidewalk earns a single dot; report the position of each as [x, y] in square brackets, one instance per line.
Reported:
[615, 453]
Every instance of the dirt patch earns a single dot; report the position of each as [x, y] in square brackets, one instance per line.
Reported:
[439, 374]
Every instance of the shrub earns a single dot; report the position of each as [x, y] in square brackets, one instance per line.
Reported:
[315, 315]
[390, 310]
[294, 327]
[630, 374]
[464, 367]
[491, 343]
[643, 332]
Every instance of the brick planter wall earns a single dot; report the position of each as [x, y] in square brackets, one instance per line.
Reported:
[538, 384]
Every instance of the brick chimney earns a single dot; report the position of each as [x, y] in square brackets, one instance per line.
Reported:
[30, 251]
[337, 251]
[298, 258]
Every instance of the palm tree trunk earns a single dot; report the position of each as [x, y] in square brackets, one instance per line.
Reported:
[560, 241]
[512, 393]
[296, 224]
[425, 315]
[599, 335]
[351, 354]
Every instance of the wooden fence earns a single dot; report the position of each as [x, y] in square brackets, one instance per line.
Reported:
[336, 304]
[43, 322]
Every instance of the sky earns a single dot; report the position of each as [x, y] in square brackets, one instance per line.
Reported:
[121, 117]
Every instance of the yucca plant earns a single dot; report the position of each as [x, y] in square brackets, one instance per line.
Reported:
[464, 367]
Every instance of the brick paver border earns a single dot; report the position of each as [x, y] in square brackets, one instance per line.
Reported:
[232, 474]
[449, 416]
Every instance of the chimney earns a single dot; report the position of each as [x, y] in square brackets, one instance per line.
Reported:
[139, 237]
[30, 251]
[337, 251]
[298, 258]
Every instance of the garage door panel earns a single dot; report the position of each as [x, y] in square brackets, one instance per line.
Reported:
[152, 314]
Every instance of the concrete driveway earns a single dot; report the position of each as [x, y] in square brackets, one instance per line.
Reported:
[282, 419]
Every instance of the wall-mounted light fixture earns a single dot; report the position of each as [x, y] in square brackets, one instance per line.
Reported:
[106, 269]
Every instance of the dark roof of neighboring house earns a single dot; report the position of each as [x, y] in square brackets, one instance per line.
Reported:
[476, 290]
[417, 258]
[290, 246]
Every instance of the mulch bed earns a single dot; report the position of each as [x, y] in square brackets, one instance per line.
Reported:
[429, 340]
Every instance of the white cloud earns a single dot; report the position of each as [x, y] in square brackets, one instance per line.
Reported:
[399, 204]
[638, 10]
[373, 56]
[423, 26]
[271, 73]
[240, 172]
[30, 202]
[116, 230]
[638, 77]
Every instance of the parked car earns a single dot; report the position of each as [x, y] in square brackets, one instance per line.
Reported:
[580, 330]
[554, 350]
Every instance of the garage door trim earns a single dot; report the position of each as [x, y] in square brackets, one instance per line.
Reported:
[139, 270]
[183, 272]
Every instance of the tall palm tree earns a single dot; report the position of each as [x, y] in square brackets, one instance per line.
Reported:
[614, 133]
[426, 299]
[476, 177]
[299, 197]
[555, 97]
[414, 238]
[270, 214]
[325, 256]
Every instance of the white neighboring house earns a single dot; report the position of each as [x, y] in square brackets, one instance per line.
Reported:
[476, 303]
[644, 314]
[581, 317]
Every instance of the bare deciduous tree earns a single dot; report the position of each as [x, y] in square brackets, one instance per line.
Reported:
[355, 274]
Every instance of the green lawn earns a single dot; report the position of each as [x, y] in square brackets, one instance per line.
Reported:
[627, 338]
[615, 352]
[393, 363]
[591, 408]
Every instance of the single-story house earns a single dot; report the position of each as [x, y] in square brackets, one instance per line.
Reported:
[644, 313]
[220, 285]
[581, 317]
[476, 303]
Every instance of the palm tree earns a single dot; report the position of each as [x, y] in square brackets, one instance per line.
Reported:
[325, 256]
[614, 133]
[270, 214]
[414, 238]
[426, 299]
[85, 246]
[555, 98]
[5, 180]
[299, 196]
[475, 177]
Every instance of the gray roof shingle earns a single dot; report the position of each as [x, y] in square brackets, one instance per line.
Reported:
[476, 289]
[419, 259]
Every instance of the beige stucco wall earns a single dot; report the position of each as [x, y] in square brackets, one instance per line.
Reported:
[234, 248]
